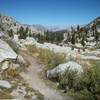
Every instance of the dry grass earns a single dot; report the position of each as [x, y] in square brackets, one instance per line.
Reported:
[47, 57]
[5, 95]
[50, 58]
[32, 49]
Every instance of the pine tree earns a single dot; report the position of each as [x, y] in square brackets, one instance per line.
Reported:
[83, 41]
[27, 30]
[10, 33]
[22, 33]
[94, 29]
[73, 38]
[78, 28]
[96, 36]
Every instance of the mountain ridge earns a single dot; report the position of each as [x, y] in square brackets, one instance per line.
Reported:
[8, 22]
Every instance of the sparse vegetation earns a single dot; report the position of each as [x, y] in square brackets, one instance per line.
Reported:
[5, 95]
[47, 57]
[51, 59]
[67, 80]
[85, 87]
[10, 74]
[32, 49]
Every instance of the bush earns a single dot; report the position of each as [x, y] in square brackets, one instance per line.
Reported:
[86, 87]
[81, 95]
[10, 73]
[51, 59]
[67, 80]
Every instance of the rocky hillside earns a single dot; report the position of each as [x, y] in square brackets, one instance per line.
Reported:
[89, 33]
[7, 23]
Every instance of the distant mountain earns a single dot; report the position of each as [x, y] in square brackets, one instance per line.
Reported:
[7, 23]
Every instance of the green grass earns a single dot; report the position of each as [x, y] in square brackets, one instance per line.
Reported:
[86, 87]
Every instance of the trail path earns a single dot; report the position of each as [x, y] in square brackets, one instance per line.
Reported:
[33, 79]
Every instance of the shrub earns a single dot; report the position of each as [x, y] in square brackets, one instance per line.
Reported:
[67, 80]
[86, 87]
[10, 73]
[81, 95]
[91, 81]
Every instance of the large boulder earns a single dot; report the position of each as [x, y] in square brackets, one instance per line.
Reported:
[6, 52]
[5, 84]
[60, 69]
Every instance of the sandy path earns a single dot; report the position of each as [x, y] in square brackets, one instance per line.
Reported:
[32, 77]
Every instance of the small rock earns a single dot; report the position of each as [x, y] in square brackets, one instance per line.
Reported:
[5, 65]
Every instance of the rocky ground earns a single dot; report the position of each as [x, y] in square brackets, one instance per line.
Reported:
[12, 84]
[20, 71]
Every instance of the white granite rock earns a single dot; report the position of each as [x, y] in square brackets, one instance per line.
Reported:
[5, 65]
[60, 69]
[5, 84]
[6, 52]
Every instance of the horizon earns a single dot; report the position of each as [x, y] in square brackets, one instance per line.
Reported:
[51, 12]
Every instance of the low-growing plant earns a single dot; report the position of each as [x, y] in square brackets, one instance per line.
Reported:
[67, 80]
[85, 87]
[10, 73]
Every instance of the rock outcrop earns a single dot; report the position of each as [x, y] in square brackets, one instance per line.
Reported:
[6, 52]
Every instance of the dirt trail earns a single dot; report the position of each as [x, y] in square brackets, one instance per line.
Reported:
[32, 77]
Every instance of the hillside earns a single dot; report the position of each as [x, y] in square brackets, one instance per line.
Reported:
[7, 23]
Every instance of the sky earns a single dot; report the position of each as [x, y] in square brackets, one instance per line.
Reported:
[51, 12]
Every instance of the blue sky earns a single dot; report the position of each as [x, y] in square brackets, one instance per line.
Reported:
[51, 12]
